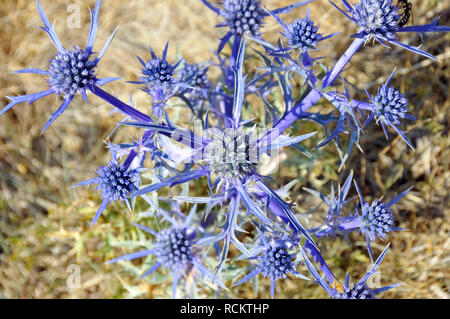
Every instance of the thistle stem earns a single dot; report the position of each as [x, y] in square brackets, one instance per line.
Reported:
[123, 107]
[230, 75]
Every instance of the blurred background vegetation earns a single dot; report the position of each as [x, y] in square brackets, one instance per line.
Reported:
[44, 225]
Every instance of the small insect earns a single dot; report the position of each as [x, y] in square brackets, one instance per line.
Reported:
[405, 10]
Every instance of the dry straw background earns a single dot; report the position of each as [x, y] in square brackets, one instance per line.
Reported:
[44, 225]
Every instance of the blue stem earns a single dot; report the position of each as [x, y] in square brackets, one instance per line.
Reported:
[123, 107]
[230, 74]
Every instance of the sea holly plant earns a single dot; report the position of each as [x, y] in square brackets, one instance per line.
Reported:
[241, 224]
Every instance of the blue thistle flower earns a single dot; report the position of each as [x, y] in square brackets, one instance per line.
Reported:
[71, 71]
[375, 219]
[378, 219]
[194, 75]
[274, 261]
[378, 20]
[232, 155]
[389, 106]
[174, 249]
[115, 181]
[361, 290]
[358, 291]
[243, 16]
[302, 34]
[159, 79]
[158, 71]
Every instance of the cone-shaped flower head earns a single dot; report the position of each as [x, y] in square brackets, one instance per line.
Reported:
[116, 181]
[232, 154]
[390, 105]
[377, 18]
[173, 248]
[378, 219]
[71, 71]
[243, 16]
[194, 75]
[359, 291]
[275, 261]
[302, 34]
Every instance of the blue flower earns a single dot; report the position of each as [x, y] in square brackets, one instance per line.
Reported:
[71, 71]
[115, 181]
[243, 16]
[158, 76]
[389, 107]
[174, 250]
[378, 219]
[158, 71]
[194, 75]
[302, 33]
[378, 20]
[374, 219]
[274, 261]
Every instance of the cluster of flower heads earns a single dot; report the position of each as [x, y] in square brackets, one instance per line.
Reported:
[227, 148]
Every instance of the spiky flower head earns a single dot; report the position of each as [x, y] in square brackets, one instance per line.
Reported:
[232, 154]
[302, 34]
[378, 219]
[275, 260]
[71, 71]
[390, 105]
[194, 75]
[376, 18]
[117, 182]
[158, 71]
[243, 16]
[173, 248]
[359, 291]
